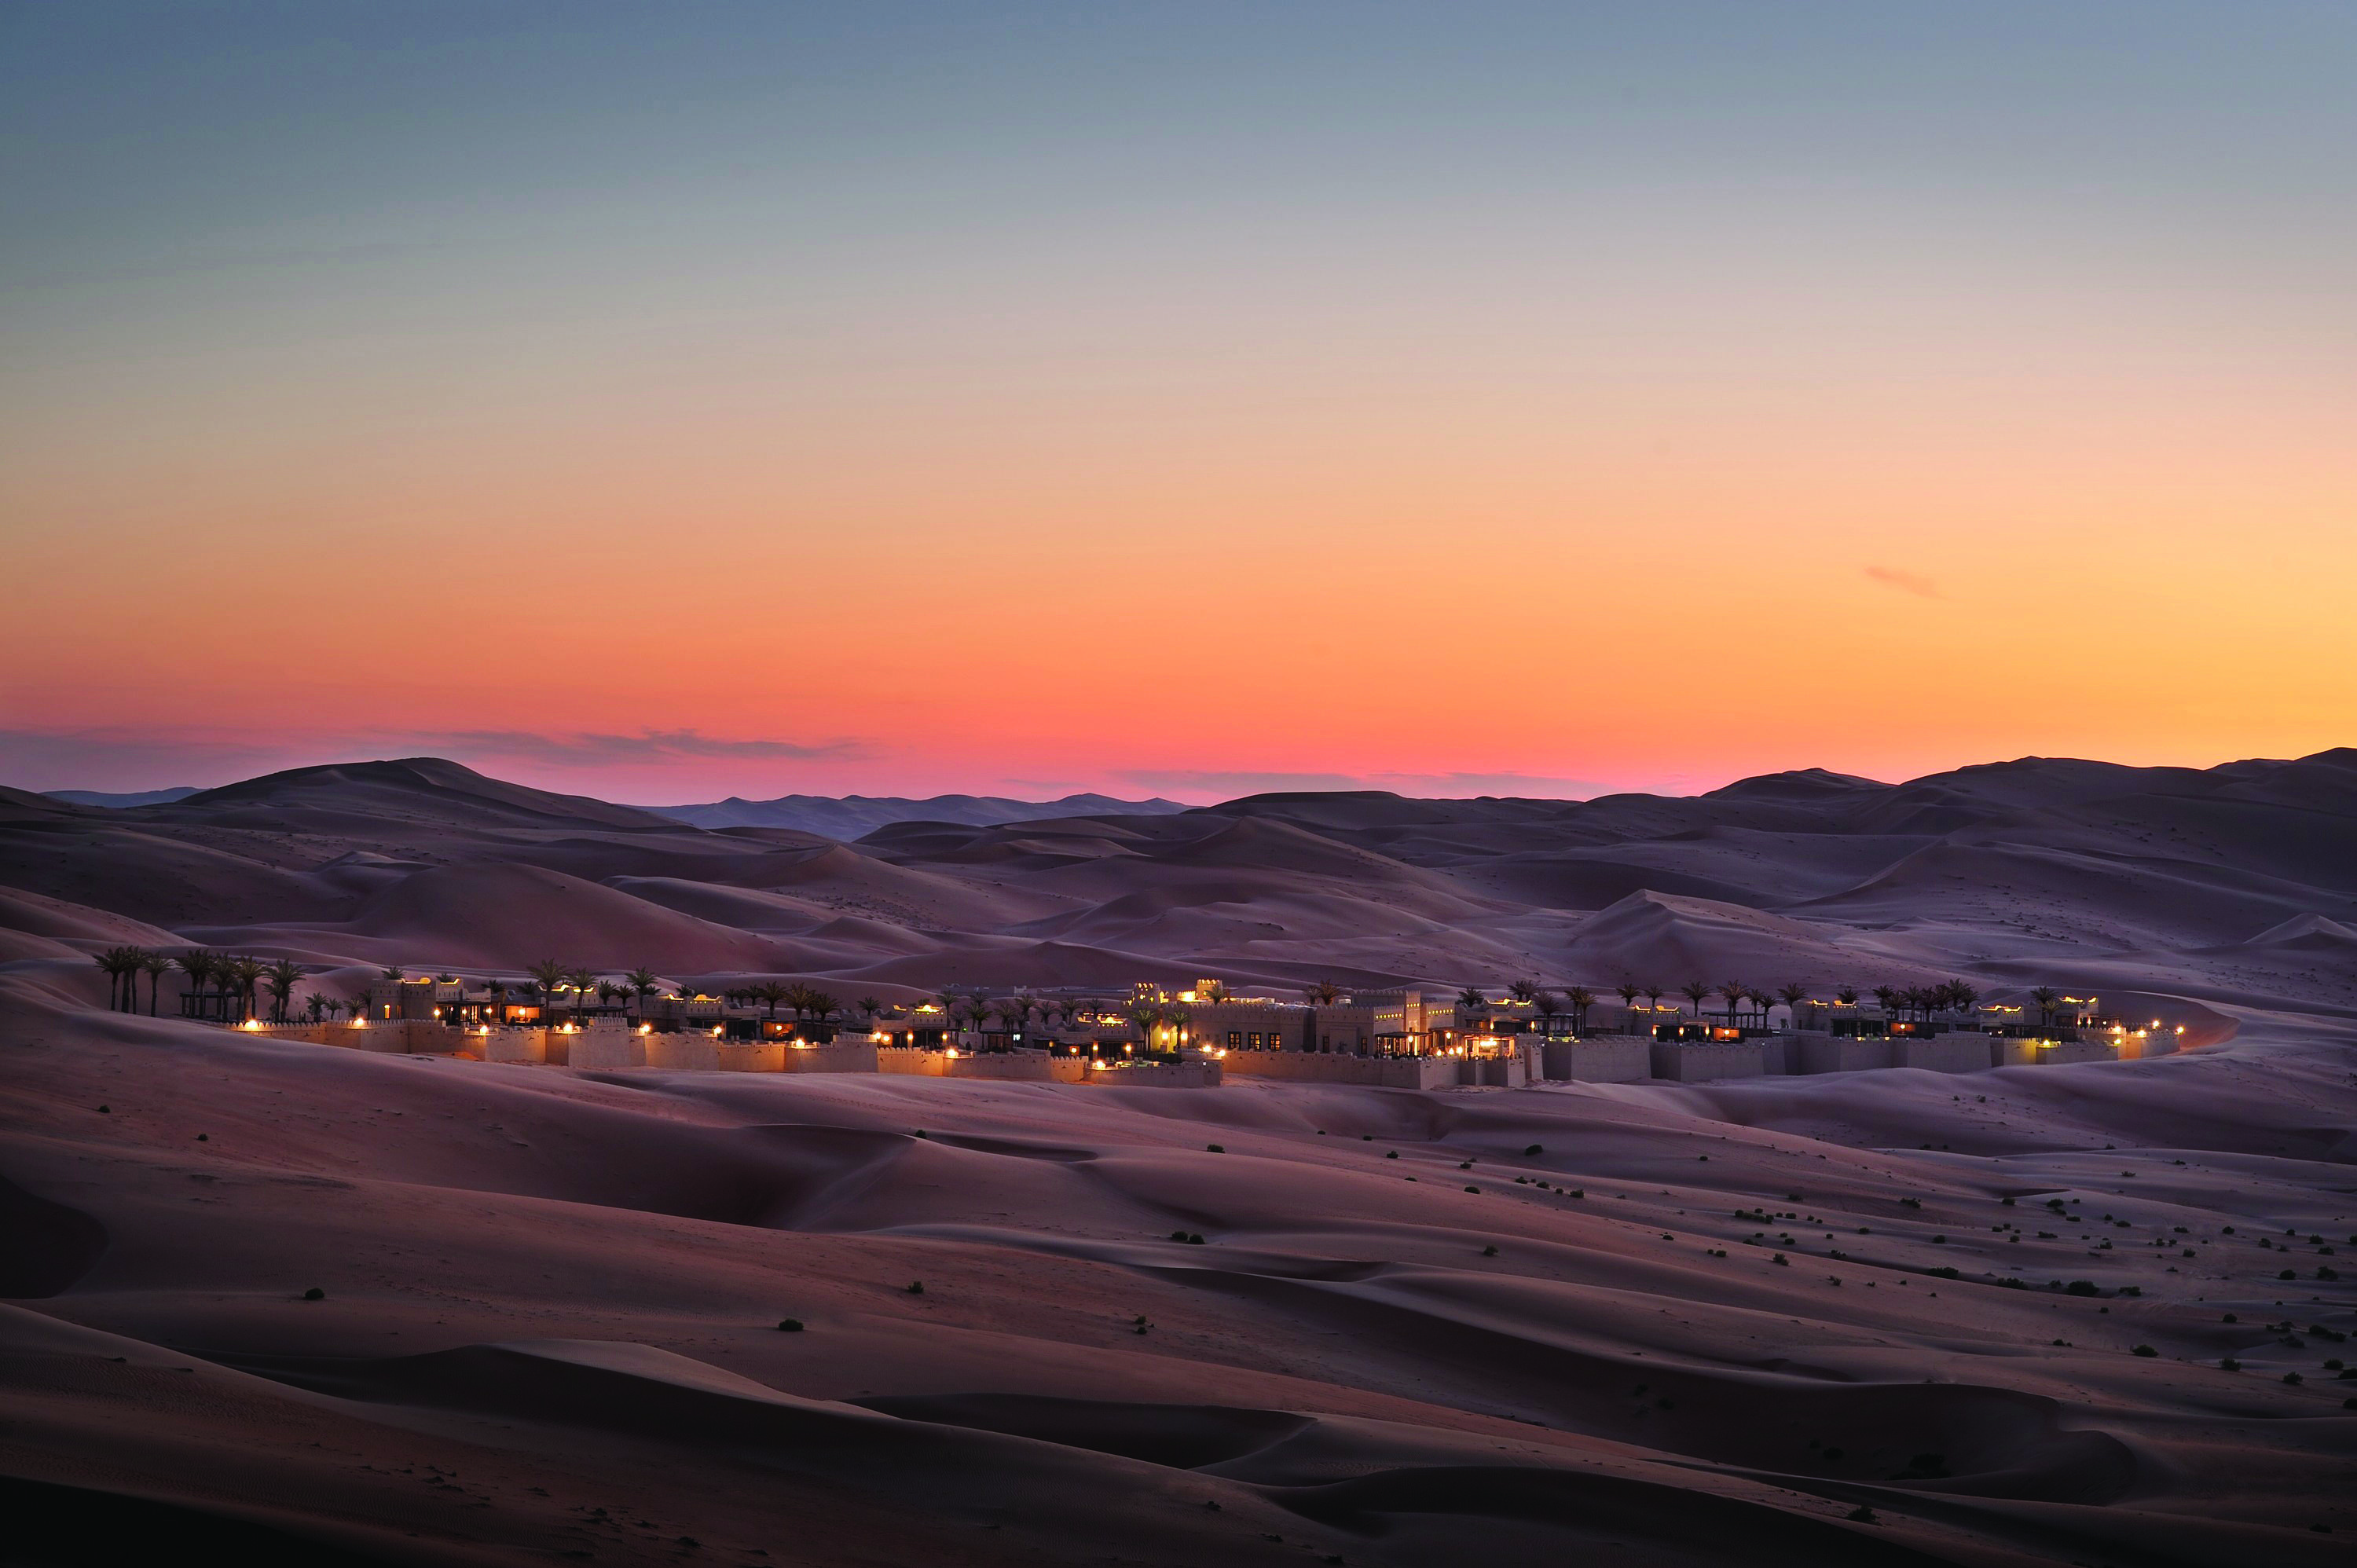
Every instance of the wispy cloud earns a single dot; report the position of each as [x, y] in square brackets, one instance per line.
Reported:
[593, 750]
[104, 758]
[1905, 582]
[1211, 785]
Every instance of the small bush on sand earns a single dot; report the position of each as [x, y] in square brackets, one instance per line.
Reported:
[790, 1326]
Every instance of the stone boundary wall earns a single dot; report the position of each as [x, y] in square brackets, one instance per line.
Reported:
[843, 1056]
[1836, 1053]
[395, 1037]
[1943, 1053]
[1202, 1074]
[606, 1047]
[1597, 1061]
[2025, 1053]
[1700, 1062]
[1318, 1066]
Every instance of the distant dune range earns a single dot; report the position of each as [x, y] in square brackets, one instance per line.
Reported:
[1802, 1321]
[2085, 873]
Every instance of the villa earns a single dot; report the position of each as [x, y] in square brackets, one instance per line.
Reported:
[1197, 1036]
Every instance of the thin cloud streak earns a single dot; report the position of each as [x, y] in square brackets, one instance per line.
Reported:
[121, 757]
[1211, 785]
[1905, 582]
[649, 745]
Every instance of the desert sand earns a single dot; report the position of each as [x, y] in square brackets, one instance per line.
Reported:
[1783, 1320]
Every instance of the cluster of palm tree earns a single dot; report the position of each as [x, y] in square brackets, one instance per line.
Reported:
[1743, 1003]
[237, 981]
[802, 1001]
[1150, 1017]
[1925, 1001]
[123, 966]
[973, 1009]
[1573, 1002]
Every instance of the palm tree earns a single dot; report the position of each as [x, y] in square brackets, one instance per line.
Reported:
[1147, 1017]
[1964, 997]
[1211, 991]
[1629, 990]
[2046, 996]
[1694, 990]
[1846, 996]
[1887, 997]
[1792, 992]
[643, 984]
[156, 966]
[546, 976]
[110, 964]
[498, 991]
[584, 981]
[1579, 999]
[248, 972]
[1325, 993]
[284, 976]
[1544, 1005]
[1653, 995]
[1471, 999]
[198, 965]
[1524, 991]
[1735, 990]
[824, 1005]
[868, 1007]
[319, 1003]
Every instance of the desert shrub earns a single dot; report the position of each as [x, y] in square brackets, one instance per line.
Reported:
[916, 1287]
[1490, 1250]
[1215, 1148]
[2081, 1287]
[2144, 1351]
[2288, 1274]
[1391, 1153]
[790, 1326]
[1945, 1273]
[1534, 1149]
[315, 1293]
[2294, 1377]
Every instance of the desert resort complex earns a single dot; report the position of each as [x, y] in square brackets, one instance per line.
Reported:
[1152, 1035]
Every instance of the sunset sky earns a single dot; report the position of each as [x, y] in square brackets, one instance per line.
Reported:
[670, 402]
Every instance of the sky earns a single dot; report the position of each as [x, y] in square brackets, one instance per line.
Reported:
[667, 403]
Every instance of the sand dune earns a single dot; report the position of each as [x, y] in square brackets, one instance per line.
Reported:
[1516, 1326]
